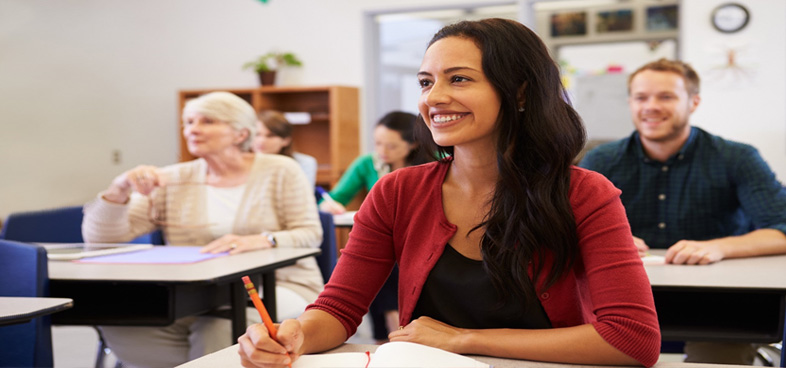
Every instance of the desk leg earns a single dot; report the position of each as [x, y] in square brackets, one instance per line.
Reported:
[783, 345]
[238, 295]
[342, 237]
[269, 294]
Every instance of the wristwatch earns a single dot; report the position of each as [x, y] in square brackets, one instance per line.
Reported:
[270, 238]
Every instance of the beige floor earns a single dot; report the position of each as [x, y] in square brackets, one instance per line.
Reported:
[75, 347]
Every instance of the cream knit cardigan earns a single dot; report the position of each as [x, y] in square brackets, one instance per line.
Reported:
[277, 199]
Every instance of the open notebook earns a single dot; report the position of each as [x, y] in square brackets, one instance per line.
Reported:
[393, 354]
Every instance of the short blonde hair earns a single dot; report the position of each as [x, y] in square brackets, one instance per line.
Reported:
[229, 108]
[680, 68]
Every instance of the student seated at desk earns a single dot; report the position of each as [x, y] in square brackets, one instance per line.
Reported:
[504, 248]
[395, 147]
[274, 135]
[230, 200]
[696, 194]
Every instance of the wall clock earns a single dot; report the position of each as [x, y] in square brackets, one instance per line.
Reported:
[730, 17]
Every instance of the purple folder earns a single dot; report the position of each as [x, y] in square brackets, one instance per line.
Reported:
[171, 254]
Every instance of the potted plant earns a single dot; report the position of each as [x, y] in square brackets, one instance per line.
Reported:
[266, 65]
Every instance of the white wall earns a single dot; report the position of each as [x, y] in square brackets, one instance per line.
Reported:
[81, 78]
[746, 104]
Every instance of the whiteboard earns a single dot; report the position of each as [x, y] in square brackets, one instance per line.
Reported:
[602, 102]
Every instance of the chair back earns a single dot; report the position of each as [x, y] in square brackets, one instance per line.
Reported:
[327, 259]
[58, 225]
[156, 238]
[24, 273]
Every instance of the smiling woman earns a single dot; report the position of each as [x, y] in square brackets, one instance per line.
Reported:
[503, 247]
[458, 103]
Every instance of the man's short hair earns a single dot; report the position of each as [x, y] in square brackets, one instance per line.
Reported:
[674, 66]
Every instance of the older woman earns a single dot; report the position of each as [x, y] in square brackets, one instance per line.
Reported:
[228, 199]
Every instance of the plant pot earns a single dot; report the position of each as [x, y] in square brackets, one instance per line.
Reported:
[267, 78]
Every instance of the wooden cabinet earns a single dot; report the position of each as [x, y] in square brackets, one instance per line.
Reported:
[332, 136]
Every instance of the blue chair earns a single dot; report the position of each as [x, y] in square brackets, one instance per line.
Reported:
[327, 260]
[58, 225]
[24, 273]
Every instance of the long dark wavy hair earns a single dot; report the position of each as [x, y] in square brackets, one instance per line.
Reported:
[530, 213]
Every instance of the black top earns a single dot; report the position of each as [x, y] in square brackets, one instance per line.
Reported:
[459, 292]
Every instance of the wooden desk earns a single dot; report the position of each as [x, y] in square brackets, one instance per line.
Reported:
[158, 294]
[228, 358]
[732, 300]
[15, 310]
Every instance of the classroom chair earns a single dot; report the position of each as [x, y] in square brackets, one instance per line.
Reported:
[328, 258]
[57, 225]
[61, 225]
[24, 273]
[770, 355]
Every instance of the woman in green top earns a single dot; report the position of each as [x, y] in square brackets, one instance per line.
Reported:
[395, 146]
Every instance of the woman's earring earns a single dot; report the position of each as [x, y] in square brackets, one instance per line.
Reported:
[521, 108]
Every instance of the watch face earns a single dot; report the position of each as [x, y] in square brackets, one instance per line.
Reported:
[730, 17]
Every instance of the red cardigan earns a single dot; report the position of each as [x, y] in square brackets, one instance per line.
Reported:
[402, 221]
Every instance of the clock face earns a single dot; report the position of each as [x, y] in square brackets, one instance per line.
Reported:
[730, 17]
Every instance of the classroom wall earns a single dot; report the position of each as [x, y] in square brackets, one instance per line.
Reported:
[82, 79]
[745, 103]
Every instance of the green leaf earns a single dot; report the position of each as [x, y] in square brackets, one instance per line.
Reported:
[263, 63]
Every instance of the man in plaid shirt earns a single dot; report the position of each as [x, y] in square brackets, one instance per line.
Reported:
[698, 195]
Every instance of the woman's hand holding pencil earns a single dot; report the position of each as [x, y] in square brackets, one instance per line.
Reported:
[268, 345]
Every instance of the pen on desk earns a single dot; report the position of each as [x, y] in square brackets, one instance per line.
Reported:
[252, 292]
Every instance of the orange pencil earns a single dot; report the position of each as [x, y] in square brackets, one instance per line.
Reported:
[252, 292]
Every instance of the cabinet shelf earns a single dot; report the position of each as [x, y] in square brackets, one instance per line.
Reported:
[332, 136]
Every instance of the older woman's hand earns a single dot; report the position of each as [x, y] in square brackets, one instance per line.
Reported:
[237, 244]
[143, 179]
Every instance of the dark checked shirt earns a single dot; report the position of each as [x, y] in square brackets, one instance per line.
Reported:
[710, 189]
